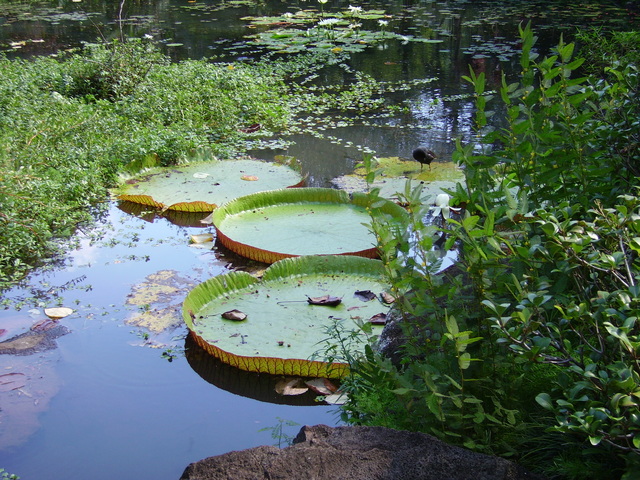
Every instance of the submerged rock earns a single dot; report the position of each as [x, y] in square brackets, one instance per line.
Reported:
[40, 338]
[357, 453]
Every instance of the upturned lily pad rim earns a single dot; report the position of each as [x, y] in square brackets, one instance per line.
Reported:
[216, 288]
[299, 196]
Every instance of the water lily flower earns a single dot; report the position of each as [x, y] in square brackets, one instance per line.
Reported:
[353, 26]
[383, 23]
[322, 2]
[328, 21]
[442, 205]
[287, 15]
[354, 10]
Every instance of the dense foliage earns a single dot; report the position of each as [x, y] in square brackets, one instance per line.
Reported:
[69, 126]
[529, 347]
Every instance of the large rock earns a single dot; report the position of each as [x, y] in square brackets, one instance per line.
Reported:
[356, 453]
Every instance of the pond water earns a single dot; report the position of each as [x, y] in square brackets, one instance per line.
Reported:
[118, 398]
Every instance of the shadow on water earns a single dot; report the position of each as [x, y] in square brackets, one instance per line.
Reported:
[261, 387]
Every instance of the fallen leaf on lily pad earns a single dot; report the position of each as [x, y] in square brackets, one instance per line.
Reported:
[378, 319]
[328, 300]
[291, 386]
[387, 297]
[365, 295]
[58, 312]
[249, 178]
[235, 315]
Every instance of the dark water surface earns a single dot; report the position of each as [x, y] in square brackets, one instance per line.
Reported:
[106, 402]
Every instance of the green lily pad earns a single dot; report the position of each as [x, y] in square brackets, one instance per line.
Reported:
[394, 172]
[273, 225]
[282, 331]
[200, 187]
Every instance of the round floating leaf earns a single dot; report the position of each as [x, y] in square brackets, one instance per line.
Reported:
[282, 331]
[273, 225]
[58, 312]
[200, 187]
[394, 173]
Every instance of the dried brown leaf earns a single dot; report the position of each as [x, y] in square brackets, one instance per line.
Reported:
[364, 295]
[327, 300]
[378, 319]
[291, 386]
[318, 386]
[387, 297]
[235, 315]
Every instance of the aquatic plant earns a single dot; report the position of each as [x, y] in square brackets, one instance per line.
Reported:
[68, 129]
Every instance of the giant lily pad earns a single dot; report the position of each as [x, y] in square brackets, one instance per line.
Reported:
[200, 187]
[273, 225]
[394, 172]
[283, 331]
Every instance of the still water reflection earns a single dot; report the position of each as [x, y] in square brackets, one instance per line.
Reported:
[108, 402]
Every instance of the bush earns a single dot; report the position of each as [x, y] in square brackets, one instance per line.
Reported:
[69, 126]
[529, 347]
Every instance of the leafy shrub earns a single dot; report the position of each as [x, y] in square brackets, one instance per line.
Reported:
[69, 126]
[533, 335]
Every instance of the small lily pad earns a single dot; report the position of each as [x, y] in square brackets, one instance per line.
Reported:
[394, 172]
[58, 312]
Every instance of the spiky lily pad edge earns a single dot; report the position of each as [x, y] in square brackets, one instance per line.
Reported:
[288, 268]
[298, 196]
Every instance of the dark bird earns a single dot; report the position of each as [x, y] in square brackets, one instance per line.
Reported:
[424, 156]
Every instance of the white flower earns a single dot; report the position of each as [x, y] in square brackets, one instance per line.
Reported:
[148, 36]
[442, 205]
[383, 23]
[355, 25]
[287, 15]
[353, 9]
[327, 21]
[323, 1]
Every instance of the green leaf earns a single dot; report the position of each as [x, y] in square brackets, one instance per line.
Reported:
[595, 440]
[464, 361]
[544, 400]
[452, 325]
[402, 391]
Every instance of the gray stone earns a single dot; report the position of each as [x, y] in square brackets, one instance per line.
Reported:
[357, 453]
